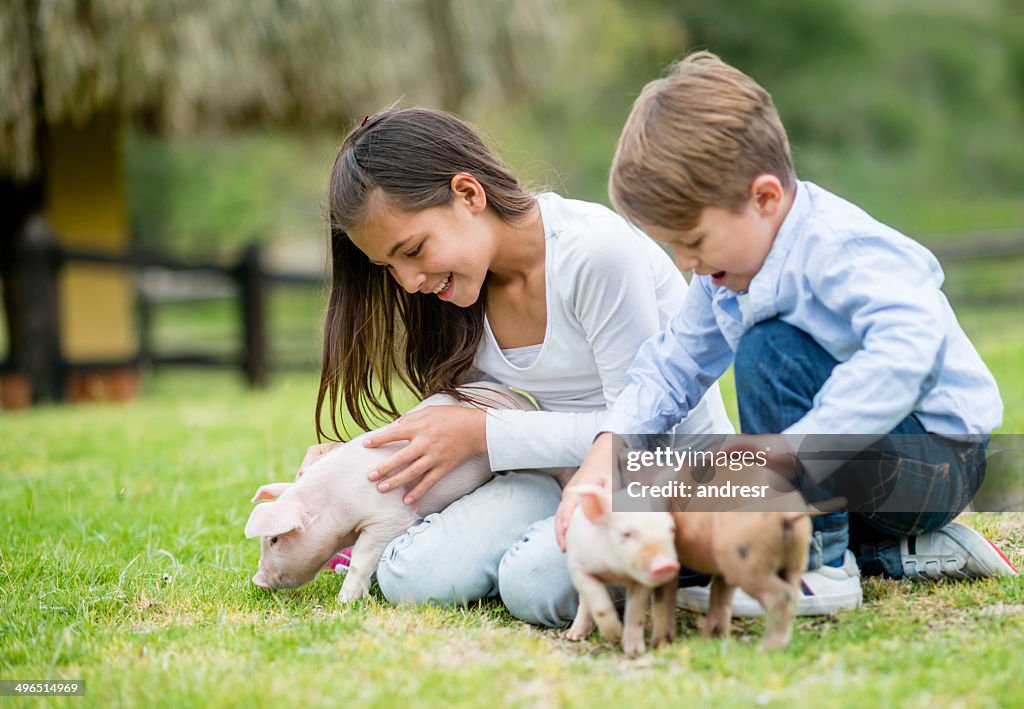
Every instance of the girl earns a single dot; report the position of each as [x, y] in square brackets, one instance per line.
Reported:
[445, 270]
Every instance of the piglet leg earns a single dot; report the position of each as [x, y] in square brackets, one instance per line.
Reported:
[582, 624]
[719, 608]
[365, 554]
[779, 600]
[594, 595]
[638, 597]
[664, 612]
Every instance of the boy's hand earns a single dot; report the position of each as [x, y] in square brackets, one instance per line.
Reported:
[775, 448]
[596, 470]
[440, 438]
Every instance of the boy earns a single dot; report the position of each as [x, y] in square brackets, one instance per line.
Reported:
[835, 324]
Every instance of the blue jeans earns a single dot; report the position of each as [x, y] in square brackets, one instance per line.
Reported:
[779, 369]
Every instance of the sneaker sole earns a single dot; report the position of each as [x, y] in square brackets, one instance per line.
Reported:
[697, 600]
[994, 564]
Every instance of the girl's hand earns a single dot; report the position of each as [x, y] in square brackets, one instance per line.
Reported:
[596, 470]
[314, 453]
[440, 438]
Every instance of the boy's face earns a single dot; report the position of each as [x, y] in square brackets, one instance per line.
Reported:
[729, 246]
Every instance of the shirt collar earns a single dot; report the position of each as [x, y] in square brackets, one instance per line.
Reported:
[761, 303]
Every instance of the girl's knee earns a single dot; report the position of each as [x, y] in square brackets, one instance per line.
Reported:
[535, 601]
[452, 557]
[390, 584]
[415, 569]
[397, 575]
[414, 582]
[534, 582]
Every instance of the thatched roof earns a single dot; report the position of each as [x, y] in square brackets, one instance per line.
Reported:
[182, 65]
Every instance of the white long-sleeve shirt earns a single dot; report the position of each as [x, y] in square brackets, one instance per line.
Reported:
[609, 288]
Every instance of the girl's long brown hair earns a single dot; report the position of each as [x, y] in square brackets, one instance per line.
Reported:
[374, 331]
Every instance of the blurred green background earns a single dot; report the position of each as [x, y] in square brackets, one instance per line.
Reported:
[123, 561]
[912, 109]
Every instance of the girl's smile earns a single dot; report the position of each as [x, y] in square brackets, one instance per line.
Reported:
[444, 288]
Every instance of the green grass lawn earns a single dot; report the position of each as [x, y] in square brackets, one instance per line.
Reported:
[123, 563]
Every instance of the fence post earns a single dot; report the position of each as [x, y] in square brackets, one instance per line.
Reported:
[144, 313]
[252, 288]
[35, 281]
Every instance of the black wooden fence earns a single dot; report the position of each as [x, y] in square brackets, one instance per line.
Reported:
[34, 314]
[983, 269]
[34, 326]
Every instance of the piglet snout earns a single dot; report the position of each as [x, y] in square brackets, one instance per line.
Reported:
[663, 566]
[259, 580]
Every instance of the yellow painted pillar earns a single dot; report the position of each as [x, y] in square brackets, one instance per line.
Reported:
[85, 205]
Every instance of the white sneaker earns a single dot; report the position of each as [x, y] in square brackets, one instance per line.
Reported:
[825, 590]
[954, 551]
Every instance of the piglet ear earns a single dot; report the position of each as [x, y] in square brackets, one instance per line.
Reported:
[595, 501]
[270, 492]
[272, 519]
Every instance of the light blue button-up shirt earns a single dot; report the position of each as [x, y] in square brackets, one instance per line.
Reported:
[867, 294]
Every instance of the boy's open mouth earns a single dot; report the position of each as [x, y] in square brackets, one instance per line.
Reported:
[718, 278]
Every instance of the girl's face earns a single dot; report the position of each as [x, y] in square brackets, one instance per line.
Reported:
[439, 252]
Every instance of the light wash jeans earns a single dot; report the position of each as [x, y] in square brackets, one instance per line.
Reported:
[499, 540]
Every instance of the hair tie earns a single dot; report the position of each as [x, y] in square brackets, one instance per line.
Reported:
[365, 119]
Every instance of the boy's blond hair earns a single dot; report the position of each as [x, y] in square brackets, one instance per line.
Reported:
[696, 138]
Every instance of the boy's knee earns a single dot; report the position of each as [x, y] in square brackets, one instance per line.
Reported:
[779, 369]
[761, 344]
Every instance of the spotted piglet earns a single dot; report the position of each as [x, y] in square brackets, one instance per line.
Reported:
[763, 553]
